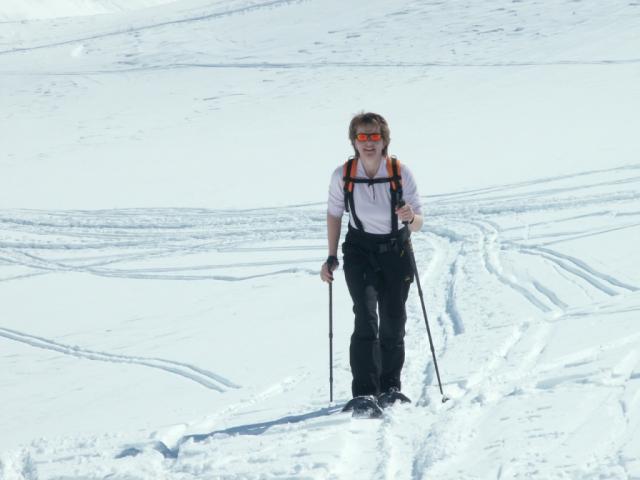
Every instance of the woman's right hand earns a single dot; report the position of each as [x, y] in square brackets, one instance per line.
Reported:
[328, 267]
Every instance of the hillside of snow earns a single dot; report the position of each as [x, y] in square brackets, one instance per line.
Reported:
[163, 180]
[27, 10]
[146, 109]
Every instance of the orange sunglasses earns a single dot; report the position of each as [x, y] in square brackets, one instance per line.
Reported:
[363, 137]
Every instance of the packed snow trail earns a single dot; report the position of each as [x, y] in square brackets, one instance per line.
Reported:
[537, 343]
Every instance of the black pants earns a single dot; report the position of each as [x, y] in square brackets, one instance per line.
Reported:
[379, 273]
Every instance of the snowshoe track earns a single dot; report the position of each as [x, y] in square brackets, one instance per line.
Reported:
[494, 347]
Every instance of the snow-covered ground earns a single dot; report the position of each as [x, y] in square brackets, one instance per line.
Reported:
[175, 106]
[162, 183]
[24, 10]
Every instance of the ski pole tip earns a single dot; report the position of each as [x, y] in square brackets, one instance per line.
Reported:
[445, 399]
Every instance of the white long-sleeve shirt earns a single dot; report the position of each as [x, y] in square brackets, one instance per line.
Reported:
[372, 201]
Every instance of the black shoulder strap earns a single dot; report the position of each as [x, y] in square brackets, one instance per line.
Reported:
[395, 174]
[393, 169]
[395, 182]
[349, 173]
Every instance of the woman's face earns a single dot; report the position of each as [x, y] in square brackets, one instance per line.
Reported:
[369, 149]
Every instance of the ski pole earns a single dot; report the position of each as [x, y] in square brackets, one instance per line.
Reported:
[330, 342]
[412, 256]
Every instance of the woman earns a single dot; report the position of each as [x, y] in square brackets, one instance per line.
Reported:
[383, 204]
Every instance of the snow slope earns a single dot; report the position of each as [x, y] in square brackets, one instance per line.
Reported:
[156, 101]
[21, 10]
[151, 309]
[200, 327]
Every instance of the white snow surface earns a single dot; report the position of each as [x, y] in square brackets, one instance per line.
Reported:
[163, 179]
[20, 10]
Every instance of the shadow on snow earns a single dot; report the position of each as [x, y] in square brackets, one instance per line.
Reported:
[250, 429]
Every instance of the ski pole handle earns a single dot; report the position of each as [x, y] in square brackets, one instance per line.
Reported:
[402, 203]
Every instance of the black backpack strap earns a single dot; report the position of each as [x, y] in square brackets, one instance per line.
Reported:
[396, 177]
[371, 181]
[348, 176]
[395, 180]
[348, 180]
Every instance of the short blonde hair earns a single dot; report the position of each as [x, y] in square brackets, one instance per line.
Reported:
[369, 118]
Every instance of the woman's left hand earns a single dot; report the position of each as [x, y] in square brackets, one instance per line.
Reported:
[405, 214]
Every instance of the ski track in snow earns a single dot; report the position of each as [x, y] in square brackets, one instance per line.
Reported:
[476, 237]
[205, 378]
[112, 238]
[207, 16]
[132, 30]
[469, 244]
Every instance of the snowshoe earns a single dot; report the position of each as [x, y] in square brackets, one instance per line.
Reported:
[391, 396]
[365, 406]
